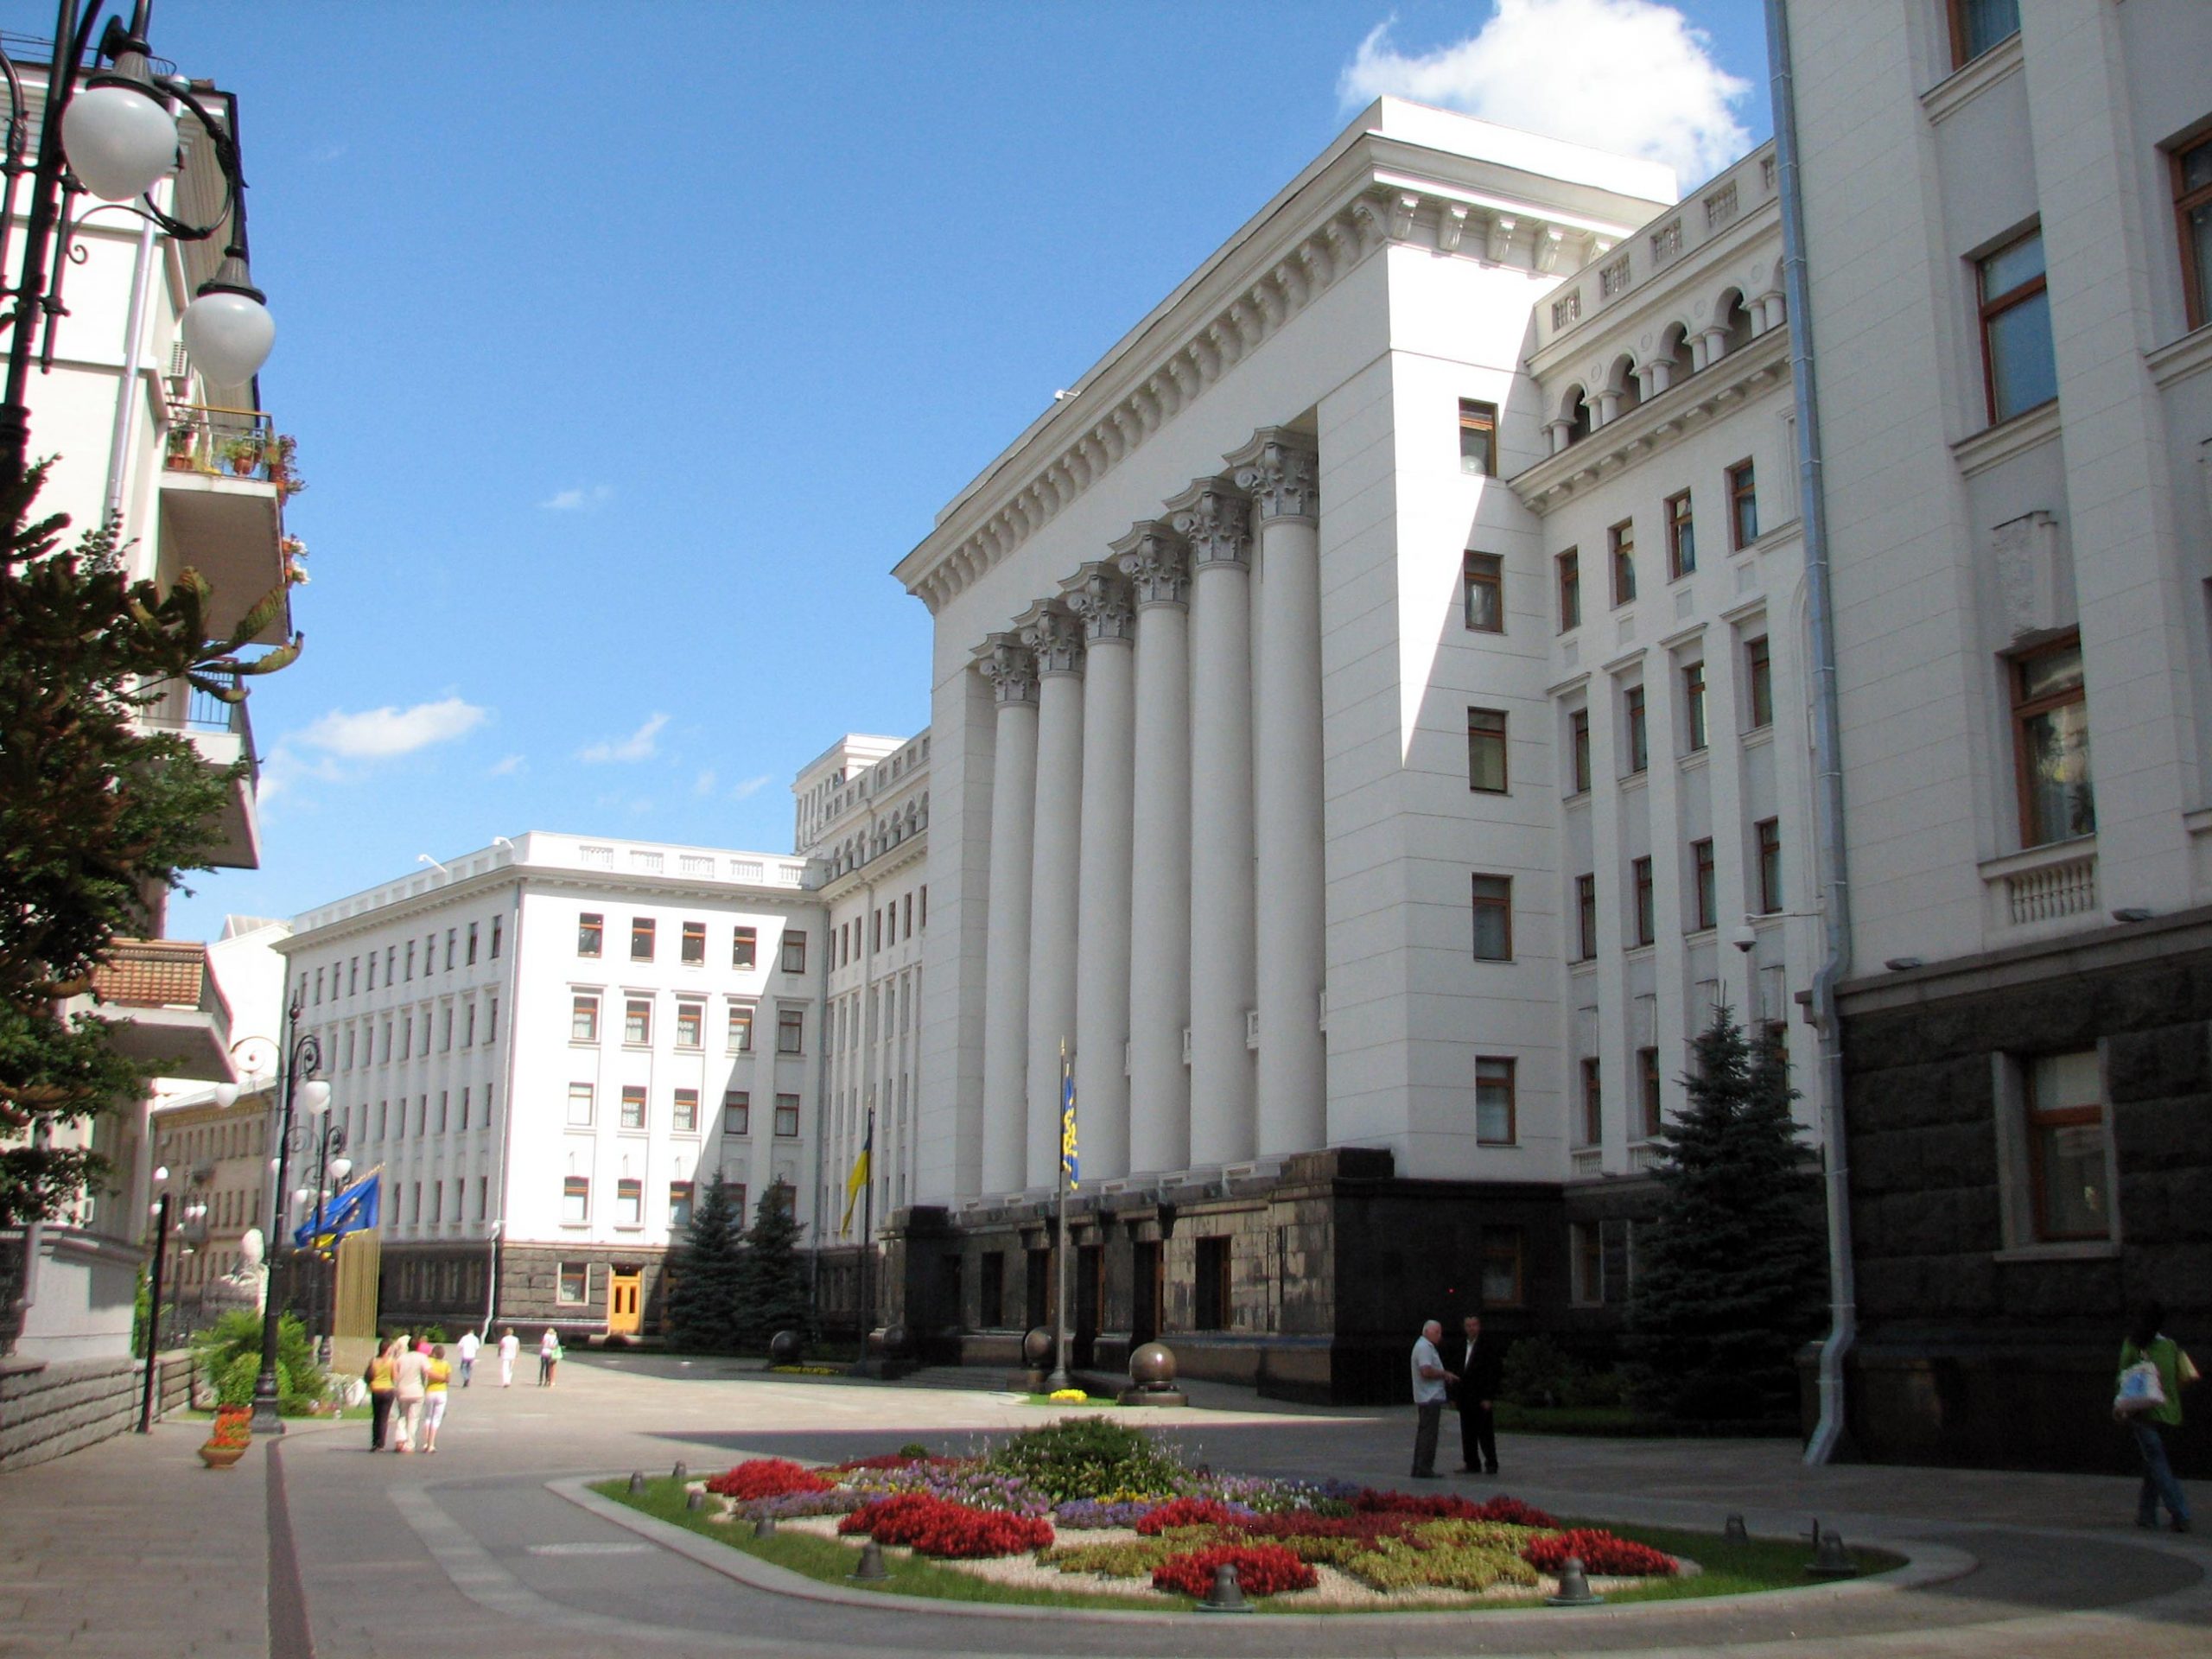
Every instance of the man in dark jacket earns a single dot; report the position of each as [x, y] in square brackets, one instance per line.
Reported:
[1480, 1369]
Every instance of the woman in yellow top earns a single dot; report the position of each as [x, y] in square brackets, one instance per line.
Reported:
[434, 1390]
[379, 1378]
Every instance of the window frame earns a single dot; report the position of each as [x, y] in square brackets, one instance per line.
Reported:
[576, 1201]
[1495, 742]
[1742, 503]
[637, 1021]
[737, 1107]
[1767, 834]
[583, 1010]
[1567, 569]
[790, 1022]
[579, 1272]
[1650, 1097]
[1705, 889]
[693, 933]
[631, 1108]
[1955, 11]
[682, 1197]
[1491, 901]
[1586, 916]
[1681, 519]
[792, 953]
[1644, 905]
[1991, 307]
[740, 1027]
[1589, 1127]
[1503, 1075]
[1635, 724]
[1620, 561]
[745, 947]
[2034, 1119]
[1485, 572]
[2195, 281]
[643, 930]
[1758, 682]
[1481, 419]
[1577, 750]
[1501, 1243]
[590, 1099]
[787, 1107]
[683, 1111]
[2025, 708]
[1697, 725]
[629, 1190]
[691, 1011]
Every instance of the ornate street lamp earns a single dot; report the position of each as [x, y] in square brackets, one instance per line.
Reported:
[113, 137]
[301, 1088]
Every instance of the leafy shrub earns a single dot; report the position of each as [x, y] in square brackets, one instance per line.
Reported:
[1187, 1512]
[229, 1354]
[1090, 1456]
[767, 1477]
[914, 1449]
[935, 1526]
[1262, 1570]
[1601, 1552]
[1537, 1372]
[1131, 1558]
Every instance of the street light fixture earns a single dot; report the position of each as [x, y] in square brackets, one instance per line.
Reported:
[113, 137]
[301, 1088]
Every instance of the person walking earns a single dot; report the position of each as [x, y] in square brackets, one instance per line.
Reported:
[2147, 1344]
[379, 1377]
[410, 1376]
[1480, 1367]
[549, 1356]
[1431, 1384]
[435, 1387]
[469, 1344]
[510, 1345]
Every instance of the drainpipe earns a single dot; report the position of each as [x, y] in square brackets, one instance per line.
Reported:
[1827, 748]
[134, 360]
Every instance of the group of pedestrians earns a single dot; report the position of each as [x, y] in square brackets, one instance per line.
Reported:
[1474, 1384]
[409, 1381]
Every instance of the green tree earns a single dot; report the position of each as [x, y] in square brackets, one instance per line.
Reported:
[771, 1283]
[705, 1271]
[229, 1352]
[1731, 1273]
[98, 816]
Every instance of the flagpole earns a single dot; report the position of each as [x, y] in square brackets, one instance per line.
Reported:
[1060, 1378]
[867, 1244]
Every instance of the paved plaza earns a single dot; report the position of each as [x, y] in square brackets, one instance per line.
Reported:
[132, 1548]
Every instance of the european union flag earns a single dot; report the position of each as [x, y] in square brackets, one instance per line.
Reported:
[353, 1210]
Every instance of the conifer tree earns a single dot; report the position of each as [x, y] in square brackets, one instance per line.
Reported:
[771, 1283]
[706, 1268]
[1731, 1274]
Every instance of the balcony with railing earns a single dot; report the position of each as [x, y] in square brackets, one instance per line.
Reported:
[223, 733]
[167, 1009]
[225, 474]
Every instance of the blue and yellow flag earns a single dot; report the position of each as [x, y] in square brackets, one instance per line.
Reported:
[354, 1210]
[1070, 1163]
[856, 1183]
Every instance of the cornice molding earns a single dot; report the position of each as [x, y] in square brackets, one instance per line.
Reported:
[2189, 356]
[1993, 446]
[1950, 95]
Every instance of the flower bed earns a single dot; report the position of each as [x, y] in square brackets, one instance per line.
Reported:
[767, 1477]
[1262, 1570]
[1600, 1551]
[934, 1526]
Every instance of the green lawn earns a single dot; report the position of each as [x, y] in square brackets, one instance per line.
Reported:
[1728, 1569]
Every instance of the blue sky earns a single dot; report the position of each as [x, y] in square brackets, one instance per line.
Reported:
[627, 348]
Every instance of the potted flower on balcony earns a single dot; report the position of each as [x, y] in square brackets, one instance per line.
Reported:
[243, 453]
[283, 470]
[182, 434]
[228, 1442]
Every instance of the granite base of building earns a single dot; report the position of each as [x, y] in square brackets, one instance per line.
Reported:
[587, 1294]
[1984, 1341]
[1308, 1280]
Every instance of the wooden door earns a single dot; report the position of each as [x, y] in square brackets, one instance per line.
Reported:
[622, 1304]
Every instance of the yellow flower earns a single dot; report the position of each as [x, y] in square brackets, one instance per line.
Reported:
[1069, 1398]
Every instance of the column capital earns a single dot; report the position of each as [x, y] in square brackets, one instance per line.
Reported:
[1280, 469]
[1011, 668]
[1054, 636]
[1216, 517]
[1100, 595]
[1157, 563]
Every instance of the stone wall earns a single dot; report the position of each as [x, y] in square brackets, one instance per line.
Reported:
[50, 1408]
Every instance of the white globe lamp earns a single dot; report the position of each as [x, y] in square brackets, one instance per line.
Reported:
[119, 139]
[228, 333]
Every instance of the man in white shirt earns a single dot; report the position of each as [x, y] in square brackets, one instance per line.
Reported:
[1431, 1382]
[466, 1349]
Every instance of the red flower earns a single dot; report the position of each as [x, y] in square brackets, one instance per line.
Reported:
[1601, 1552]
[1262, 1570]
[1186, 1512]
[1444, 1506]
[767, 1477]
[1512, 1512]
[931, 1525]
[1303, 1524]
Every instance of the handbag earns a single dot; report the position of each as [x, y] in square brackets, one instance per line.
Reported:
[2141, 1390]
[2184, 1368]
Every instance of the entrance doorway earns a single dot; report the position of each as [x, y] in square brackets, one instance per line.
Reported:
[623, 1299]
[1089, 1298]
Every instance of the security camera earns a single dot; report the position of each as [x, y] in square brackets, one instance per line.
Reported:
[1745, 938]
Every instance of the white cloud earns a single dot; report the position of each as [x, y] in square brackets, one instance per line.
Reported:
[704, 784]
[641, 745]
[512, 767]
[1630, 76]
[379, 733]
[747, 788]
[578, 499]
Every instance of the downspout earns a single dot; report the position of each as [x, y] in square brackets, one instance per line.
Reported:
[134, 360]
[1827, 748]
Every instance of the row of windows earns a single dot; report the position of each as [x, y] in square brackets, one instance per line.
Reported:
[202, 1142]
[887, 924]
[375, 1045]
[629, 1211]
[683, 1110]
[690, 1024]
[426, 1203]
[461, 947]
[454, 1116]
[691, 949]
[1680, 522]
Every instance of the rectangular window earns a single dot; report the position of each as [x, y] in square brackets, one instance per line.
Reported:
[2050, 745]
[1705, 895]
[1578, 736]
[1638, 745]
[2018, 365]
[453, 938]
[576, 1201]
[1639, 884]
[633, 1107]
[495, 938]
[491, 1018]
[410, 959]
[353, 974]
[787, 1117]
[1589, 1263]
[1770, 840]
[794, 953]
[580, 1105]
[1978, 25]
[876, 930]
[1482, 592]
[1682, 538]
[590, 929]
[737, 1112]
[1693, 723]
[690, 1020]
[694, 948]
[1478, 437]
[1212, 1301]
[629, 1203]
[791, 1031]
[465, 1093]
[1486, 751]
[743, 943]
[679, 1203]
[1570, 590]
[469, 1025]
[1493, 917]
[390, 957]
[641, 938]
[2192, 166]
[1501, 1266]
[1647, 1082]
[683, 1114]
[1759, 683]
[1620, 541]
[1496, 1122]
[2066, 1147]
[1586, 917]
[637, 1020]
[472, 944]
[1593, 1105]
[1742, 505]
[318, 985]
[444, 1030]
[575, 1283]
[741, 1028]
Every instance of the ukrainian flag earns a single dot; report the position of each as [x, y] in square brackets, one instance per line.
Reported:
[856, 1183]
[354, 1210]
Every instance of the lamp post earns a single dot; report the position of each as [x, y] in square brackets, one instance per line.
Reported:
[304, 1056]
[153, 1303]
[113, 137]
[329, 1143]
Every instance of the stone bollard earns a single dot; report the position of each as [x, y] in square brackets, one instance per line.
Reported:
[1574, 1588]
[871, 1569]
[1225, 1597]
[695, 1499]
[637, 1480]
[1831, 1560]
[1734, 1531]
[764, 1527]
[682, 1472]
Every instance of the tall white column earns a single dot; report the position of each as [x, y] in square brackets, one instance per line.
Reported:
[1213, 519]
[1153, 557]
[1056, 637]
[1101, 598]
[1279, 469]
[1012, 674]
